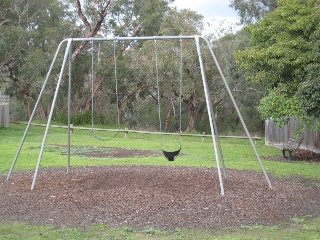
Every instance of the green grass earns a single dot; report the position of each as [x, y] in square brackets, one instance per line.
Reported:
[307, 228]
[237, 154]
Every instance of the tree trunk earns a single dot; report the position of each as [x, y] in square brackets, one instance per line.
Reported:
[86, 106]
[169, 112]
[24, 91]
[192, 106]
[41, 112]
[91, 31]
[217, 102]
[123, 103]
[26, 102]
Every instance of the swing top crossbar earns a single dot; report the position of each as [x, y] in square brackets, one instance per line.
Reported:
[131, 38]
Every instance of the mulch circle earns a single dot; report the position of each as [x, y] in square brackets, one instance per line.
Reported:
[164, 198]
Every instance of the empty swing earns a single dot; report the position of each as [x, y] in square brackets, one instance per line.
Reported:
[171, 156]
[92, 92]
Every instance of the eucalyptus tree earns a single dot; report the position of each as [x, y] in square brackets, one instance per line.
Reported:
[30, 31]
[118, 18]
[140, 84]
[182, 22]
[250, 11]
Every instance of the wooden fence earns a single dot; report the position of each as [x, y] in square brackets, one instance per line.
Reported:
[127, 131]
[276, 136]
[4, 111]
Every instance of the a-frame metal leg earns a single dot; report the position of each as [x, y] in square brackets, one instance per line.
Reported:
[69, 108]
[210, 112]
[51, 113]
[239, 114]
[34, 111]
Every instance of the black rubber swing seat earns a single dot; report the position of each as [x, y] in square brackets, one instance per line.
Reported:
[171, 156]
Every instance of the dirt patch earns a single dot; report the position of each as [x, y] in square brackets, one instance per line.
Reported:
[104, 152]
[299, 155]
[164, 198]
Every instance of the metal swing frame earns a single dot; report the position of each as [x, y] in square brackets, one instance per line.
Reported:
[68, 58]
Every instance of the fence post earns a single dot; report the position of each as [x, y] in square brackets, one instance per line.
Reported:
[4, 111]
[203, 135]
[71, 128]
[126, 133]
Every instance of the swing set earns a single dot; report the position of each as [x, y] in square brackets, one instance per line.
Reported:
[170, 155]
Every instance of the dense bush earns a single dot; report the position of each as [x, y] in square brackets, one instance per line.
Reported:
[82, 119]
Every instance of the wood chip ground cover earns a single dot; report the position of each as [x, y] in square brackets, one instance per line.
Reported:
[163, 198]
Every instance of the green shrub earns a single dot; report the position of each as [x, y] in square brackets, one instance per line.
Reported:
[82, 119]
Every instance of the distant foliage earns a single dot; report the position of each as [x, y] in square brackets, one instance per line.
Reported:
[283, 58]
[82, 119]
[250, 11]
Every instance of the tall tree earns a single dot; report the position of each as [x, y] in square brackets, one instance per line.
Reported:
[245, 94]
[92, 16]
[309, 91]
[282, 50]
[142, 74]
[29, 30]
[119, 18]
[183, 22]
[250, 11]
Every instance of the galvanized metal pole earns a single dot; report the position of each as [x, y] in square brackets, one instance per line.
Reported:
[210, 111]
[69, 107]
[219, 146]
[51, 113]
[239, 114]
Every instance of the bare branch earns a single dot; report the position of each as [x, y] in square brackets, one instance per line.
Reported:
[90, 31]
[82, 16]
[102, 15]
[5, 22]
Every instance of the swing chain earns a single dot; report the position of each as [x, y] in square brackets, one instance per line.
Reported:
[158, 88]
[116, 80]
[92, 90]
[180, 90]
[92, 86]
[180, 93]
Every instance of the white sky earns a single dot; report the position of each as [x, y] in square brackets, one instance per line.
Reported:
[213, 10]
[218, 9]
